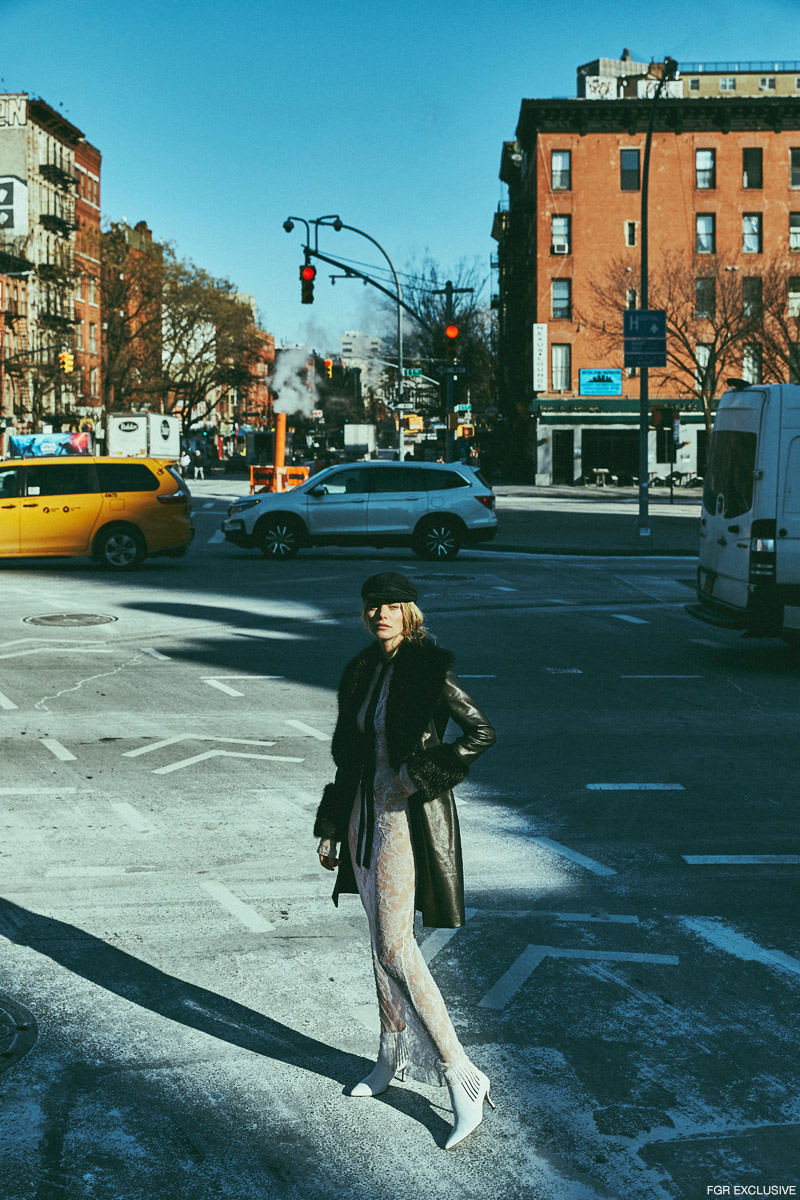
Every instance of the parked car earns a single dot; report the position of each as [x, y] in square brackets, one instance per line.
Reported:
[116, 510]
[433, 507]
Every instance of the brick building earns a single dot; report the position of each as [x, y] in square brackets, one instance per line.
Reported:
[724, 208]
[40, 153]
[88, 387]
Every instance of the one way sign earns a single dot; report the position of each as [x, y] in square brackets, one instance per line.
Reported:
[644, 333]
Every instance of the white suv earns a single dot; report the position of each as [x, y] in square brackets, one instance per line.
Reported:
[433, 507]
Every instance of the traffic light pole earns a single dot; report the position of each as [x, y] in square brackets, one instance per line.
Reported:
[448, 291]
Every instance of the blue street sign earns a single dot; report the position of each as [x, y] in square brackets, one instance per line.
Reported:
[601, 382]
[644, 333]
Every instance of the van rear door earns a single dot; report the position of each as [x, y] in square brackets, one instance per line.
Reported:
[787, 542]
[729, 499]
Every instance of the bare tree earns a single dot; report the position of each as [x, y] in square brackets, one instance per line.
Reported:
[781, 335]
[715, 319]
[132, 281]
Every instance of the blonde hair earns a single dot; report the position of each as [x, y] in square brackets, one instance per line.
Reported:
[413, 621]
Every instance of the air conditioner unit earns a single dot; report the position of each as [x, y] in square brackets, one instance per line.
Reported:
[559, 248]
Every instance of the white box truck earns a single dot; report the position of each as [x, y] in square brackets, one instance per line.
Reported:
[748, 574]
[143, 435]
[360, 440]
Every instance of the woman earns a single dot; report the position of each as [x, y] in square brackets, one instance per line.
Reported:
[391, 807]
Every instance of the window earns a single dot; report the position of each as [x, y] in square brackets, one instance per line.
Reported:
[752, 176]
[706, 233]
[71, 479]
[631, 298]
[92, 337]
[794, 296]
[92, 290]
[705, 168]
[797, 83]
[9, 482]
[729, 472]
[727, 83]
[629, 170]
[94, 382]
[794, 231]
[752, 233]
[794, 171]
[348, 481]
[705, 298]
[125, 477]
[562, 299]
[630, 233]
[703, 374]
[561, 367]
[794, 362]
[694, 85]
[560, 240]
[751, 295]
[767, 83]
[396, 479]
[437, 481]
[751, 363]
[561, 170]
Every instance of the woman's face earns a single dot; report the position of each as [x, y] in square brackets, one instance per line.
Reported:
[386, 623]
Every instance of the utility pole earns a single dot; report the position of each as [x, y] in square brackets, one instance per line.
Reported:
[448, 291]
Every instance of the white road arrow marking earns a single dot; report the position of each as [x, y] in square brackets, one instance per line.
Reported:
[724, 937]
[6, 703]
[191, 737]
[188, 762]
[521, 970]
[591, 864]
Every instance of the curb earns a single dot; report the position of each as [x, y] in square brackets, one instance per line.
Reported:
[590, 551]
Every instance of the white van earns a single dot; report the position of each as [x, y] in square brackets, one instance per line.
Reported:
[748, 576]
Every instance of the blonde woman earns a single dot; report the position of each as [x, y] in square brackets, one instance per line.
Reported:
[391, 808]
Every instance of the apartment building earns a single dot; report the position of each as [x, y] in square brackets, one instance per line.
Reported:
[724, 209]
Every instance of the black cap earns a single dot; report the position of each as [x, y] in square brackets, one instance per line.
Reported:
[389, 588]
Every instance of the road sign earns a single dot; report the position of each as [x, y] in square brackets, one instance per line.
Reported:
[463, 407]
[602, 382]
[409, 371]
[644, 333]
[540, 357]
[455, 370]
[406, 406]
[316, 414]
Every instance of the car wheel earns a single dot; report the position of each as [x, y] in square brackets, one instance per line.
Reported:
[278, 538]
[438, 539]
[120, 549]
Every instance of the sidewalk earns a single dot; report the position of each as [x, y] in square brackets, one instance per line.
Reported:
[591, 520]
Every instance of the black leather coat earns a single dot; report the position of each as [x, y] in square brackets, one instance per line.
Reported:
[424, 693]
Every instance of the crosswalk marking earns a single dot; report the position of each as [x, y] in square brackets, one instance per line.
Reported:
[523, 967]
[236, 907]
[55, 747]
[575, 856]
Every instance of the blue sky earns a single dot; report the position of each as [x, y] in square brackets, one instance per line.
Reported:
[218, 120]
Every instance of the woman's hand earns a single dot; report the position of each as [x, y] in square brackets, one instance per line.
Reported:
[330, 864]
[327, 854]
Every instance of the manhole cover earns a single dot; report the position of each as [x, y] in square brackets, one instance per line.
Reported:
[18, 1031]
[70, 619]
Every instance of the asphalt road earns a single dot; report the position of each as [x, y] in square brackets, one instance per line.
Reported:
[629, 976]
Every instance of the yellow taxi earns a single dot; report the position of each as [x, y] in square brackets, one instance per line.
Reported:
[117, 510]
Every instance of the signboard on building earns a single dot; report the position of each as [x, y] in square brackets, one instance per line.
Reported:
[13, 110]
[13, 205]
[644, 333]
[602, 382]
[540, 357]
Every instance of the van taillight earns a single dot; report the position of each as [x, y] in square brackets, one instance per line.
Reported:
[486, 501]
[762, 551]
[173, 498]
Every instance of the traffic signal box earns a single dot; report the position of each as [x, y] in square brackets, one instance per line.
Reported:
[307, 276]
[328, 367]
[662, 417]
[66, 362]
[451, 333]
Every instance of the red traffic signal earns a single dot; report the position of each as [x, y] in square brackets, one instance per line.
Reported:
[451, 331]
[307, 276]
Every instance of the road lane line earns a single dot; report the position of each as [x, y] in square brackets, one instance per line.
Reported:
[55, 747]
[209, 504]
[521, 970]
[309, 729]
[477, 677]
[661, 676]
[437, 940]
[37, 791]
[563, 670]
[575, 856]
[635, 787]
[743, 859]
[217, 537]
[495, 588]
[6, 703]
[236, 907]
[156, 654]
[222, 687]
[132, 817]
[189, 762]
[725, 938]
[191, 737]
[632, 620]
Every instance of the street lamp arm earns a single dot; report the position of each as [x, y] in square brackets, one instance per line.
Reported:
[351, 271]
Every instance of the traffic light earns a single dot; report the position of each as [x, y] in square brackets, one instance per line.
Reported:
[66, 362]
[451, 333]
[328, 366]
[307, 276]
[662, 417]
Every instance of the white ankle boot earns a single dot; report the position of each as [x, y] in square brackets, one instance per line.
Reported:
[384, 1070]
[468, 1089]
